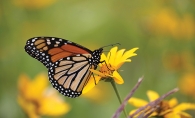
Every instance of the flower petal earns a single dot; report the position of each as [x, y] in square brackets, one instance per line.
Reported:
[119, 55]
[184, 115]
[186, 84]
[49, 102]
[121, 63]
[103, 58]
[173, 102]
[37, 86]
[36, 4]
[96, 94]
[112, 55]
[28, 107]
[185, 106]
[137, 102]
[117, 78]
[129, 54]
[91, 83]
[152, 95]
[132, 111]
[141, 113]
[172, 115]
[23, 83]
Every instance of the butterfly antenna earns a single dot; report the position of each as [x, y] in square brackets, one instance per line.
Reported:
[111, 45]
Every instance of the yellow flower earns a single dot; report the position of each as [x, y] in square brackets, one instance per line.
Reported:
[167, 109]
[186, 84]
[177, 61]
[108, 69]
[167, 22]
[97, 96]
[36, 99]
[33, 4]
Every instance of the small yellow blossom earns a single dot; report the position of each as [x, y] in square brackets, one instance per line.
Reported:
[167, 109]
[166, 21]
[177, 61]
[186, 84]
[36, 99]
[97, 96]
[33, 4]
[109, 66]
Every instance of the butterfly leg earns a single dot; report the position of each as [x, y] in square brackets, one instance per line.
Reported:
[94, 79]
[108, 66]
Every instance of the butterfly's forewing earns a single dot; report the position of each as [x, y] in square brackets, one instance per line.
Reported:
[49, 49]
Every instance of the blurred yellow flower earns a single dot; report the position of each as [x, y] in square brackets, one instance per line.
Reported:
[36, 99]
[187, 84]
[167, 22]
[108, 69]
[179, 61]
[167, 109]
[97, 96]
[33, 4]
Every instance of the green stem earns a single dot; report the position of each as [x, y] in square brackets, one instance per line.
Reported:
[118, 96]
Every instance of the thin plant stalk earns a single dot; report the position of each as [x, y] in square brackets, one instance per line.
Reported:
[118, 96]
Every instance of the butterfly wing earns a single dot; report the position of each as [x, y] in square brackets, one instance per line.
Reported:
[67, 62]
[49, 49]
[69, 75]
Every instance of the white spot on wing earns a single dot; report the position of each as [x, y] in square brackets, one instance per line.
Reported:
[57, 42]
[48, 42]
[69, 41]
[33, 40]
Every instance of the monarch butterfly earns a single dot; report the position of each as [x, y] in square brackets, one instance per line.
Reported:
[68, 63]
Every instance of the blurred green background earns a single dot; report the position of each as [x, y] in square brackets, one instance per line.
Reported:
[164, 31]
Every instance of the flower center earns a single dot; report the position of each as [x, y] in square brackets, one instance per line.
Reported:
[107, 69]
[164, 108]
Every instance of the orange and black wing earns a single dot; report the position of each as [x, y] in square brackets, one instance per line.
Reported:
[50, 49]
[68, 63]
[69, 75]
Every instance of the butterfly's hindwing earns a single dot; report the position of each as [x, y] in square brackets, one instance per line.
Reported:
[69, 75]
